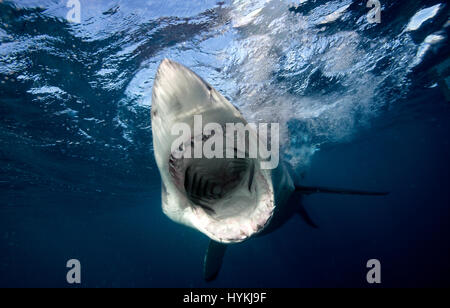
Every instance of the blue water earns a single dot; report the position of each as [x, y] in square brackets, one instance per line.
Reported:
[361, 106]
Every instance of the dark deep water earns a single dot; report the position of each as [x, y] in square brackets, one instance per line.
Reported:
[363, 106]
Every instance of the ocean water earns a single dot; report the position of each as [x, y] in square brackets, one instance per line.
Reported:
[362, 105]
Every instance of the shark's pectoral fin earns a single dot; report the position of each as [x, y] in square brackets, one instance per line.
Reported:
[312, 190]
[213, 260]
[304, 214]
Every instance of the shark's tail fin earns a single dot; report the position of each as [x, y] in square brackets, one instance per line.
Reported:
[307, 190]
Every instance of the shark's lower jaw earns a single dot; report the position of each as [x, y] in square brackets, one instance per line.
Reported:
[230, 199]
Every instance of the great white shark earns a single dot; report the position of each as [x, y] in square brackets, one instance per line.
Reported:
[228, 200]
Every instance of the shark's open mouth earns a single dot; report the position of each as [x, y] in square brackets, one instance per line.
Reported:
[230, 197]
[206, 182]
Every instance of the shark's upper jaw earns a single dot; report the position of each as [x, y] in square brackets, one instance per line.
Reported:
[229, 200]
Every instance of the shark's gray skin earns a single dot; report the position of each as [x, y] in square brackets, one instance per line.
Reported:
[228, 200]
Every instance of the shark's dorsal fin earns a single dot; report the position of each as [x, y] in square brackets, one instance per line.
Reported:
[213, 260]
[307, 190]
